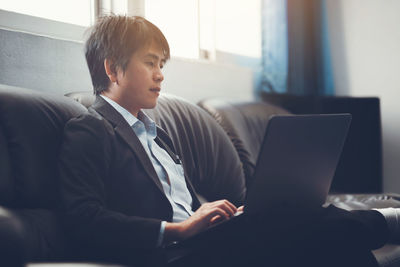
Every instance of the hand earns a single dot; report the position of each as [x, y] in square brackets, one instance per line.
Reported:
[218, 218]
[207, 215]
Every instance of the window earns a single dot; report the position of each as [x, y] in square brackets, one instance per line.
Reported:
[238, 27]
[78, 12]
[178, 20]
[194, 28]
[200, 28]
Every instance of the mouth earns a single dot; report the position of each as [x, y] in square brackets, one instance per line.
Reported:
[155, 90]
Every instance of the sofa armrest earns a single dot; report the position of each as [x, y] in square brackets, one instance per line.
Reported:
[360, 167]
[364, 201]
[11, 240]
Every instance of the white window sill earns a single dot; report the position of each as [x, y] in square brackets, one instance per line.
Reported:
[40, 26]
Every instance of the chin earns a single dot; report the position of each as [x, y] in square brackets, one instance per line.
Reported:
[151, 105]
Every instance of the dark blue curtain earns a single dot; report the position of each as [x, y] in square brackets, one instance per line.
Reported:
[295, 48]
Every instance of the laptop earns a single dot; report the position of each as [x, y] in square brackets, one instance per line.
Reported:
[297, 162]
[295, 166]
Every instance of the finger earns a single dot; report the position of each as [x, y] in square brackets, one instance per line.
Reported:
[218, 211]
[229, 207]
[233, 207]
[227, 202]
[225, 205]
[216, 219]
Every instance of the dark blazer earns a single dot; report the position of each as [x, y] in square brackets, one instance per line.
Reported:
[113, 198]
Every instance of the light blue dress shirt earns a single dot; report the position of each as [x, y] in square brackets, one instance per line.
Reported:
[171, 175]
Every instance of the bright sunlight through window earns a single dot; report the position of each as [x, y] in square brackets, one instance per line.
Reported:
[72, 11]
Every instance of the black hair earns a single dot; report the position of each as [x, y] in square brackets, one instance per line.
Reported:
[116, 38]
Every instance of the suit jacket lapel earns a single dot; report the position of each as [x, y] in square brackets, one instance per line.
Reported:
[164, 141]
[123, 129]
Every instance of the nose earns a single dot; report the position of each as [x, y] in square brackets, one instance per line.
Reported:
[158, 75]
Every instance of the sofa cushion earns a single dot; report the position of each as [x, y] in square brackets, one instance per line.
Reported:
[43, 235]
[388, 255]
[245, 124]
[360, 166]
[6, 182]
[11, 244]
[86, 98]
[208, 156]
[364, 201]
[32, 124]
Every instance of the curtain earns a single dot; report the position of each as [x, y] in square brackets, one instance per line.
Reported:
[295, 48]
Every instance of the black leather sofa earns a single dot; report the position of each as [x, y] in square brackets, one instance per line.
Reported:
[360, 167]
[31, 126]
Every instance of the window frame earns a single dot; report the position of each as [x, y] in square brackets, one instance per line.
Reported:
[14, 21]
[40, 26]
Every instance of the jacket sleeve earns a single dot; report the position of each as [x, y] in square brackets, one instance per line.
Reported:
[84, 163]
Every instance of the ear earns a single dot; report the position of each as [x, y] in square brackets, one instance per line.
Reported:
[112, 75]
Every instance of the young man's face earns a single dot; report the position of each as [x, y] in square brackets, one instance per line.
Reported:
[139, 86]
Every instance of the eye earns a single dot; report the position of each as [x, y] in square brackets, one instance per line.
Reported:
[151, 64]
[161, 66]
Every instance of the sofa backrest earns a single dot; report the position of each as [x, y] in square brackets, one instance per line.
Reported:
[209, 158]
[360, 167]
[31, 126]
[245, 123]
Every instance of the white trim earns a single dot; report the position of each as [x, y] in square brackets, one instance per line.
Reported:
[40, 26]
[94, 11]
[136, 8]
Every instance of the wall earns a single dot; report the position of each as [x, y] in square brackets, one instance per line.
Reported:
[58, 66]
[42, 63]
[196, 80]
[365, 43]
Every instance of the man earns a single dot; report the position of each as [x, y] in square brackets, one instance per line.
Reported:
[125, 57]
[125, 196]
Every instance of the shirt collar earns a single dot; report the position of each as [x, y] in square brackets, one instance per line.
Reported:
[149, 124]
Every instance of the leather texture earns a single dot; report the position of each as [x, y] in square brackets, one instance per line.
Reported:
[30, 133]
[361, 157]
[31, 127]
[364, 201]
[388, 255]
[86, 98]
[11, 240]
[113, 197]
[245, 124]
[209, 158]
[6, 182]
[32, 124]
[86, 264]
